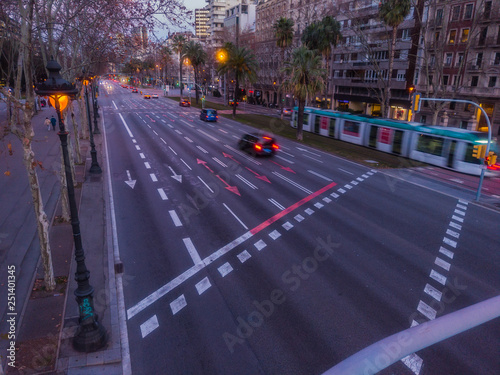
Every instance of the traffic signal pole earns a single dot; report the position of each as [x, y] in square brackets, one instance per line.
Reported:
[417, 105]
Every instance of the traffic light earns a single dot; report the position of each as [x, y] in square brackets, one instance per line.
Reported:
[479, 151]
[491, 159]
[415, 104]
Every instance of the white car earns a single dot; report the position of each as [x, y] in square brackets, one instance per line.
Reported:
[154, 96]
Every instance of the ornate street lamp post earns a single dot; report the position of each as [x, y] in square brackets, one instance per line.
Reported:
[94, 167]
[95, 89]
[90, 335]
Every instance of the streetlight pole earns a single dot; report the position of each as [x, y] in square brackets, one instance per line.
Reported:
[94, 167]
[94, 102]
[90, 335]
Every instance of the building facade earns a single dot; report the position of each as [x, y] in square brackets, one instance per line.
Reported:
[201, 23]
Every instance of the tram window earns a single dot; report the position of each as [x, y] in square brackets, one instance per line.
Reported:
[351, 128]
[430, 145]
[306, 119]
[331, 131]
[468, 158]
[317, 121]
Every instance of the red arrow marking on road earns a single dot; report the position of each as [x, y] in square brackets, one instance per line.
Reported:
[150, 118]
[231, 157]
[262, 177]
[205, 165]
[232, 189]
[283, 167]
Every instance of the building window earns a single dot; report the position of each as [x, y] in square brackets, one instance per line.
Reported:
[452, 105]
[448, 59]
[453, 36]
[468, 11]
[445, 80]
[460, 58]
[406, 34]
[498, 36]
[455, 14]
[456, 80]
[439, 17]
[479, 59]
[474, 81]
[431, 78]
[492, 81]
[496, 59]
[464, 124]
[423, 119]
[465, 35]
[482, 36]
[436, 36]
[487, 9]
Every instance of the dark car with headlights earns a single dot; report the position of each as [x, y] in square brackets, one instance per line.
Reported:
[258, 144]
[185, 103]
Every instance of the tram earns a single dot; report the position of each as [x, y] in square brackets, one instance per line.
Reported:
[445, 147]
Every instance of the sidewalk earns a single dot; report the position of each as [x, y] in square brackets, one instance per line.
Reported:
[49, 320]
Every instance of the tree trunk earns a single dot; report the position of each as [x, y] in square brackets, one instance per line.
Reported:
[76, 136]
[180, 73]
[300, 119]
[83, 114]
[387, 108]
[235, 96]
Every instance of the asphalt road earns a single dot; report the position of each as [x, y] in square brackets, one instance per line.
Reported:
[285, 265]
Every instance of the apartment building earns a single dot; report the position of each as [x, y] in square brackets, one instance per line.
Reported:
[201, 23]
[459, 58]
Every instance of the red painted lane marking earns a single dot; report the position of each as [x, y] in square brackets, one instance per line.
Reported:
[294, 206]
[260, 176]
[283, 167]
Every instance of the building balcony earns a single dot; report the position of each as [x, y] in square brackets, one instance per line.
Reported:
[362, 82]
[490, 92]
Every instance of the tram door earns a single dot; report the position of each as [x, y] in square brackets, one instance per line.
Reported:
[451, 154]
[372, 142]
[397, 142]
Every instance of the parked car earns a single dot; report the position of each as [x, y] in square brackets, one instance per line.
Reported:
[154, 96]
[147, 96]
[185, 103]
[258, 144]
[231, 102]
[208, 114]
[287, 111]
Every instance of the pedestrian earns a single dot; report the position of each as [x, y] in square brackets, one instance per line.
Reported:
[47, 123]
[53, 122]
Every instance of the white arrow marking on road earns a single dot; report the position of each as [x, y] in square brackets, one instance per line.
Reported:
[303, 149]
[130, 182]
[176, 176]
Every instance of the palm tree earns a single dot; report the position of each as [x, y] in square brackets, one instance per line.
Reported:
[392, 13]
[197, 56]
[304, 77]
[321, 36]
[165, 60]
[179, 41]
[283, 31]
[243, 64]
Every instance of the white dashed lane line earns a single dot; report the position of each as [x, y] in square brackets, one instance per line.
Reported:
[427, 311]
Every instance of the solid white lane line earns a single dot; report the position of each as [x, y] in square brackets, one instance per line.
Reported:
[259, 245]
[204, 183]
[426, 310]
[293, 183]
[178, 304]
[244, 256]
[175, 218]
[225, 269]
[149, 326]
[203, 285]
[319, 175]
[438, 277]
[343, 170]
[246, 181]
[276, 204]
[186, 164]
[442, 263]
[162, 194]
[192, 250]
[153, 177]
[236, 217]
[126, 126]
